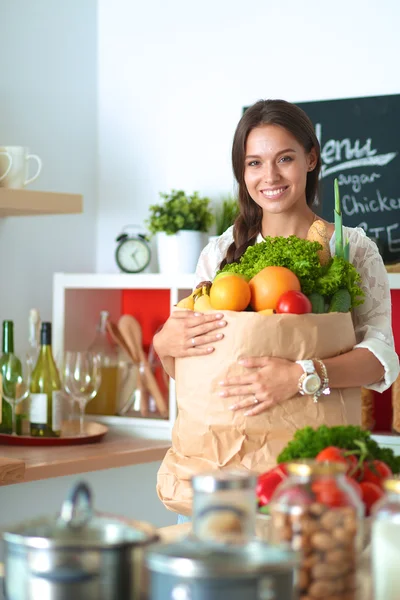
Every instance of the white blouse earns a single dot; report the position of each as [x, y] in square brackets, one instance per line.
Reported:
[372, 320]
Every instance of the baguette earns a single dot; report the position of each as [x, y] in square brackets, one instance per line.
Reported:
[318, 232]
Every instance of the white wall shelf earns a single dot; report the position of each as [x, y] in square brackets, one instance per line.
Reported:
[16, 203]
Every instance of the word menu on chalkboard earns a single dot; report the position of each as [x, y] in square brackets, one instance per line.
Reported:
[360, 145]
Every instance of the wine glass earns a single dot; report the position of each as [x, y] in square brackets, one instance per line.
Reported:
[16, 381]
[81, 379]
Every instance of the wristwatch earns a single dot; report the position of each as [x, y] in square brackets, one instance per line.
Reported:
[310, 381]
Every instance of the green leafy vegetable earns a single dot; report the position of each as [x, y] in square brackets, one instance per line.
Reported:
[338, 274]
[300, 256]
[308, 442]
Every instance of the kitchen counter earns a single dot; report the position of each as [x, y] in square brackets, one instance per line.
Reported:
[119, 448]
[11, 470]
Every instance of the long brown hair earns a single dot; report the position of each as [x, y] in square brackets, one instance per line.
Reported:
[247, 225]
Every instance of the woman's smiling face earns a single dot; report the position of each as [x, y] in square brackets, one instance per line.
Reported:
[276, 167]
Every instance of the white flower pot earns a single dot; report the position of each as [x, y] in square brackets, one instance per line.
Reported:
[179, 253]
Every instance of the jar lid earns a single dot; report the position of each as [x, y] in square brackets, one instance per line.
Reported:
[304, 468]
[78, 525]
[191, 559]
[392, 485]
[223, 480]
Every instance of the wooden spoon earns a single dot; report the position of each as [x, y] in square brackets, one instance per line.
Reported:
[133, 354]
[132, 333]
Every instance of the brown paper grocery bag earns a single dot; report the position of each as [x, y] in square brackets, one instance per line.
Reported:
[208, 436]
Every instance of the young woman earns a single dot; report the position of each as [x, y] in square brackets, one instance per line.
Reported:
[276, 163]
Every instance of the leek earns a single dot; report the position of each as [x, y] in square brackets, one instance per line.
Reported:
[340, 249]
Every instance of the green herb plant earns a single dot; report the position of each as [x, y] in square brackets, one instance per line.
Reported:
[180, 211]
[226, 213]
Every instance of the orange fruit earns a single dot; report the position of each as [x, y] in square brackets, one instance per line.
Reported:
[230, 293]
[269, 285]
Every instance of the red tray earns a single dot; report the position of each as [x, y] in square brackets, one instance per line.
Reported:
[94, 432]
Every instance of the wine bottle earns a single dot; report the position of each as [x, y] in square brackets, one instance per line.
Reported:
[46, 394]
[5, 408]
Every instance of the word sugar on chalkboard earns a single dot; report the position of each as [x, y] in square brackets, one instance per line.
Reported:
[360, 145]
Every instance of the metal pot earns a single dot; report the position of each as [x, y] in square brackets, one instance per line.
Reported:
[194, 570]
[81, 554]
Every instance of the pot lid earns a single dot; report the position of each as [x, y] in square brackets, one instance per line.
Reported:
[78, 525]
[192, 558]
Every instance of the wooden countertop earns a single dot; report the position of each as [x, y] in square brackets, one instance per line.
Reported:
[11, 470]
[119, 448]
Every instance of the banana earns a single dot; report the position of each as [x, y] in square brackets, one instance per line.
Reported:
[202, 301]
[187, 302]
[266, 311]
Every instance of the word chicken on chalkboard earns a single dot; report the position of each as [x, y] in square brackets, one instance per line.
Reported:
[360, 146]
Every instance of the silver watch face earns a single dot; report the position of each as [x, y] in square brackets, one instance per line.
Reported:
[311, 384]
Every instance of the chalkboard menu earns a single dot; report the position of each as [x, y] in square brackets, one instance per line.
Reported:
[360, 145]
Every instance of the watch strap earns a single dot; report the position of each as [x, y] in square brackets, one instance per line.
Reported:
[324, 389]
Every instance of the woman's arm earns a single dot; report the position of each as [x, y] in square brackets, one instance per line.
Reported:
[186, 333]
[372, 363]
[271, 380]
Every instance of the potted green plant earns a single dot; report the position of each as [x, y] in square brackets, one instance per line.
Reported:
[179, 224]
[226, 213]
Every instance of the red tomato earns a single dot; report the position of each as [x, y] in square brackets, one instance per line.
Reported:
[294, 303]
[370, 494]
[331, 454]
[268, 482]
[327, 492]
[376, 471]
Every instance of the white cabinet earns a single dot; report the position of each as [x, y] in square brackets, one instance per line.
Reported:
[78, 300]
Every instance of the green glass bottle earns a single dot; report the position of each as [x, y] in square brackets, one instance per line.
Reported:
[7, 349]
[45, 390]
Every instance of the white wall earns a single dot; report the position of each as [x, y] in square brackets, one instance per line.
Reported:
[174, 76]
[48, 102]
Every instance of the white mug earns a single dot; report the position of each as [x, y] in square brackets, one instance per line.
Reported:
[14, 166]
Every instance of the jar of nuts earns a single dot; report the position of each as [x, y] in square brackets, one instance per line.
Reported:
[319, 514]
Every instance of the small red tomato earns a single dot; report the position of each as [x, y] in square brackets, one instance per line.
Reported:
[331, 454]
[376, 471]
[327, 492]
[370, 494]
[293, 302]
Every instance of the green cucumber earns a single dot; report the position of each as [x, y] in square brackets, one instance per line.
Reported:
[341, 301]
[317, 303]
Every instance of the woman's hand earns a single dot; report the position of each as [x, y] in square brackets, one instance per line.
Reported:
[266, 382]
[187, 333]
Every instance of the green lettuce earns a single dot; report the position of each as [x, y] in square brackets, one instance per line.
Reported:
[300, 256]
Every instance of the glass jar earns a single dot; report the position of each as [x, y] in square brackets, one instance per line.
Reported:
[317, 513]
[224, 506]
[385, 543]
[105, 402]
